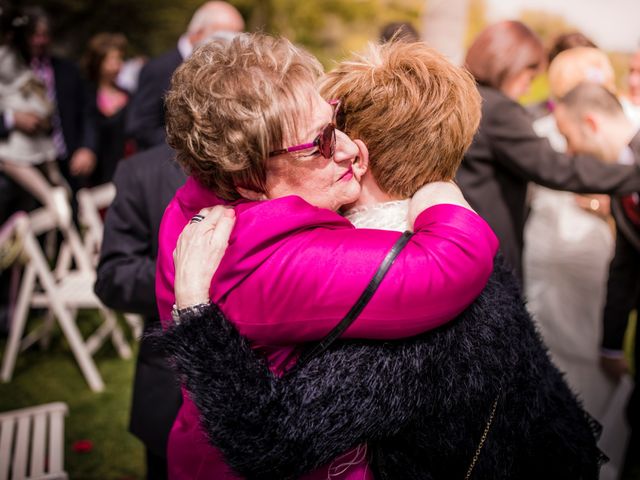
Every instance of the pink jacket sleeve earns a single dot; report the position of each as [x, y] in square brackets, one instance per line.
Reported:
[304, 288]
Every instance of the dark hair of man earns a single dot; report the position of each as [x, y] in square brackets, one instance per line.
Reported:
[589, 96]
[399, 31]
[567, 41]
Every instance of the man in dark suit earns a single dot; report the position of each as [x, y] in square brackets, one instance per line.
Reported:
[594, 123]
[145, 184]
[74, 119]
[145, 117]
[507, 154]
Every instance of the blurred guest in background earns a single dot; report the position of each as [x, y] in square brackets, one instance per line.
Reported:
[507, 154]
[631, 103]
[74, 117]
[566, 260]
[593, 121]
[126, 281]
[26, 147]
[561, 43]
[145, 119]
[102, 63]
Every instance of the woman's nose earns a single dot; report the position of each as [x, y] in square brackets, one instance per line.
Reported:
[346, 149]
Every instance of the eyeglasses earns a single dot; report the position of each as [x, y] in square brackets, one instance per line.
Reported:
[326, 141]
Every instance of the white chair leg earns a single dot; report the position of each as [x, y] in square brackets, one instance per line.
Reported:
[97, 338]
[117, 337]
[18, 323]
[67, 323]
[47, 330]
[109, 327]
[78, 347]
[135, 323]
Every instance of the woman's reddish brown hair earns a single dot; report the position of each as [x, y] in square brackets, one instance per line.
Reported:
[503, 50]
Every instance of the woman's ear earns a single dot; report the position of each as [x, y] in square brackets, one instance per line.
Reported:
[361, 165]
[250, 194]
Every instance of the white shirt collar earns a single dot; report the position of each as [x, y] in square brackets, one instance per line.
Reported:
[184, 47]
[626, 156]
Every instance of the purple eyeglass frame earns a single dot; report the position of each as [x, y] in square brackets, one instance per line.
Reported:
[318, 141]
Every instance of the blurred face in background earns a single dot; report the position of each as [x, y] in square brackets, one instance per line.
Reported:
[40, 40]
[111, 65]
[634, 78]
[519, 84]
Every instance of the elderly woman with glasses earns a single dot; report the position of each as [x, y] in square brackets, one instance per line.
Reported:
[249, 126]
[476, 398]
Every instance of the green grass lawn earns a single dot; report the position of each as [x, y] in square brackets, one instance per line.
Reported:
[53, 375]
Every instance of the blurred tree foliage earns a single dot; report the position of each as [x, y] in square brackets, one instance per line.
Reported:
[477, 20]
[547, 25]
[328, 28]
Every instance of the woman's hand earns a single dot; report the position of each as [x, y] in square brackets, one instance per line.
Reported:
[435, 193]
[198, 253]
[599, 205]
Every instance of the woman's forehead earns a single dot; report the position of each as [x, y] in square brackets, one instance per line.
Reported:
[313, 116]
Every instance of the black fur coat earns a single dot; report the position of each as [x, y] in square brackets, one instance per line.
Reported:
[420, 404]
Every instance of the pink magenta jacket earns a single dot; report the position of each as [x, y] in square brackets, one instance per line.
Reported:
[292, 271]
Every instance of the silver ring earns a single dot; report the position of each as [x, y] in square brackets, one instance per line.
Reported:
[196, 218]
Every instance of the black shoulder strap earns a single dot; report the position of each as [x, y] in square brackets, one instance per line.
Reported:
[357, 308]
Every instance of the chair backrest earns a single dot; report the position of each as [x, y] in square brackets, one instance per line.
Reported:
[32, 442]
[90, 202]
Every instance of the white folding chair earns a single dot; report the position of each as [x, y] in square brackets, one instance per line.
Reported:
[62, 291]
[90, 202]
[32, 443]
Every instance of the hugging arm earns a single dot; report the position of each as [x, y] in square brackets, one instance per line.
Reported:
[269, 427]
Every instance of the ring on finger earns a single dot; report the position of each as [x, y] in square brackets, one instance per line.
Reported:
[196, 218]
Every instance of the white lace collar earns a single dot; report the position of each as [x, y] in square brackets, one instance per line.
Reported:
[382, 216]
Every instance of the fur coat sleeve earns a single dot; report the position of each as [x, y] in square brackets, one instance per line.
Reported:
[421, 404]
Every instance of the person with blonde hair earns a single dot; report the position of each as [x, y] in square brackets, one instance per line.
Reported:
[249, 126]
[415, 408]
[562, 42]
